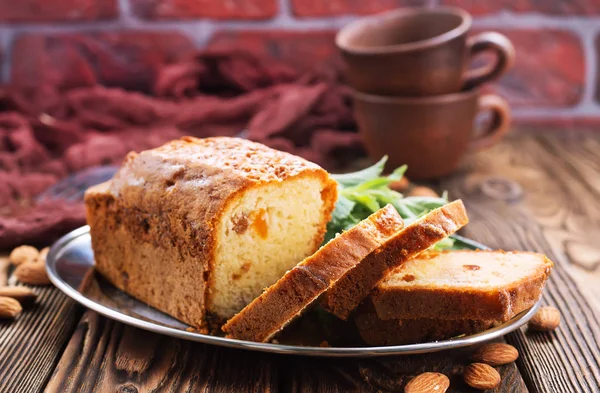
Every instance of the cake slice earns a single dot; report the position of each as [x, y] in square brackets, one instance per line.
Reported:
[462, 285]
[376, 331]
[279, 304]
[347, 293]
[198, 227]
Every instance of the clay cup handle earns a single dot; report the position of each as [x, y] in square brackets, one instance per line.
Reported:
[499, 125]
[505, 57]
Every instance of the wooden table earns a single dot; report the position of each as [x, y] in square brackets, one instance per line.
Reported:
[532, 192]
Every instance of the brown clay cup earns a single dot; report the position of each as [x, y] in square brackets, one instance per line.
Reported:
[419, 52]
[429, 134]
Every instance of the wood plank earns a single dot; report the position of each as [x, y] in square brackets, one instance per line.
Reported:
[31, 346]
[104, 355]
[387, 374]
[577, 230]
[553, 198]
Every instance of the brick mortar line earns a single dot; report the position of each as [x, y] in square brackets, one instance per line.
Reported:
[125, 11]
[6, 42]
[554, 113]
[201, 30]
[126, 22]
[127, 19]
[285, 10]
[588, 41]
[588, 106]
[585, 28]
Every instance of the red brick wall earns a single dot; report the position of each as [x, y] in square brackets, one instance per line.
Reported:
[121, 42]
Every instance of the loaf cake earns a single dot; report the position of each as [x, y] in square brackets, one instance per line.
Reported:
[462, 285]
[198, 227]
[301, 286]
[347, 293]
[376, 331]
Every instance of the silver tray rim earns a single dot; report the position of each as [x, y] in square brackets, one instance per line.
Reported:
[410, 349]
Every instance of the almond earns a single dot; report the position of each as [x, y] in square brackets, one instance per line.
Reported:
[32, 273]
[400, 185]
[43, 254]
[496, 354]
[9, 308]
[422, 191]
[23, 295]
[546, 319]
[428, 383]
[23, 254]
[481, 376]
[4, 267]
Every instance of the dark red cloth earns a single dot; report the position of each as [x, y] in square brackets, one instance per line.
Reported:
[47, 131]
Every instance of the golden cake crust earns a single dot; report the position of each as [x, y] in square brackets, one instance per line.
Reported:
[154, 200]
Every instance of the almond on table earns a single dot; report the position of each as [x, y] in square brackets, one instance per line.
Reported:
[428, 383]
[481, 376]
[4, 269]
[9, 308]
[546, 319]
[43, 254]
[23, 254]
[32, 273]
[23, 295]
[422, 191]
[496, 354]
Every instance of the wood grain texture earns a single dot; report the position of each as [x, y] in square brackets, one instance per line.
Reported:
[104, 355]
[31, 346]
[107, 356]
[557, 202]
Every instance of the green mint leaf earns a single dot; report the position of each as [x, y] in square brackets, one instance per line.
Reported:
[364, 192]
[354, 178]
[445, 244]
[398, 173]
[378, 182]
[343, 208]
[366, 200]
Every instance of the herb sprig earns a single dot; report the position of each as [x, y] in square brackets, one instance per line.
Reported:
[366, 191]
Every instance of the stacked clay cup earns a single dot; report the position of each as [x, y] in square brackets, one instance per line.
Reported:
[416, 90]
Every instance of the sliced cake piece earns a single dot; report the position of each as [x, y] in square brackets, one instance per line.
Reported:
[197, 228]
[347, 293]
[299, 287]
[477, 285]
[376, 331]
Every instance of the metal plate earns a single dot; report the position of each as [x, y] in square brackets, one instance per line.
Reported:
[70, 265]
